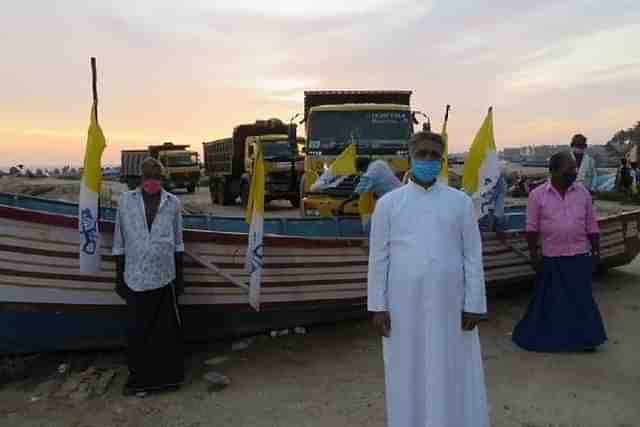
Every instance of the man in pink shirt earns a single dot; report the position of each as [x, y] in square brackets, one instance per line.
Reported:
[562, 315]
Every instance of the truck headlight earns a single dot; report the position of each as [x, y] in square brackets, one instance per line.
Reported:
[312, 212]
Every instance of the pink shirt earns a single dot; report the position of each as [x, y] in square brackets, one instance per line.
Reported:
[563, 223]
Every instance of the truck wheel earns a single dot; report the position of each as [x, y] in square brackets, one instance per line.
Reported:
[244, 194]
[220, 193]
[191, 188]
[212, 191]
[227, 195]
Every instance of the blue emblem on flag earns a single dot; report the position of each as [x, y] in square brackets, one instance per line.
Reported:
[257, 258]
[88, 232]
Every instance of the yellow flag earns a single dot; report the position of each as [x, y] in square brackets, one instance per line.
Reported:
[366, 203]
[481, 170]
[92, 170]
[482, 149]
[256, 190]
[444, 172]
[345, 163]
[90, 187]
[310, 176]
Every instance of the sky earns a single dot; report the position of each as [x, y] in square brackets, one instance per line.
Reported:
[190, 71]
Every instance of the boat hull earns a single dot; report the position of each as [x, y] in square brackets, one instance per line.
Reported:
[46, 304]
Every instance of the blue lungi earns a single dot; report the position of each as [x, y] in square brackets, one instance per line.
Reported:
[562, 316]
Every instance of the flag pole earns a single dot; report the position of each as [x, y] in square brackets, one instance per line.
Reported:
[94, 85]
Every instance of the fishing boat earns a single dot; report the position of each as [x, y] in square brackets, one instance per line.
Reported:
[315, 271]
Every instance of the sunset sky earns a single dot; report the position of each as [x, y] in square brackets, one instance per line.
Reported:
[189, 71]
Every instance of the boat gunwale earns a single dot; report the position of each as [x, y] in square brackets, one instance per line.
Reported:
[191, 234]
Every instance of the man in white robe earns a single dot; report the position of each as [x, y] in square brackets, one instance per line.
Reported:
[427, 291]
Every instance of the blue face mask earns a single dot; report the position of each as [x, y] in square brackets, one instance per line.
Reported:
[426, 170]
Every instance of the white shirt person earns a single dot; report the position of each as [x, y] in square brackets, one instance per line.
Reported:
[426, 286]
[149, 254]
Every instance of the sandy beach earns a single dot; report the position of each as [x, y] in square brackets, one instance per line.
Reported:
[333, 376]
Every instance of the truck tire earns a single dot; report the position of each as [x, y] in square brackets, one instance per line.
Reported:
[244, 194]
[191, 188]
[212, 192]
[226, 198]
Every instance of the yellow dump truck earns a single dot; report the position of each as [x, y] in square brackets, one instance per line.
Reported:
[229, 162]
[380, 123]
[181, 166]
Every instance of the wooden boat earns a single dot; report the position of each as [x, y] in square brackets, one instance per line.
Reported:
[315, 271]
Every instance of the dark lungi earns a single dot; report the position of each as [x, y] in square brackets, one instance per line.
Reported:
[562, 316]
[154, 340]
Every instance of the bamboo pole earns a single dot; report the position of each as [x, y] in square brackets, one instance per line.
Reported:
[211, 266]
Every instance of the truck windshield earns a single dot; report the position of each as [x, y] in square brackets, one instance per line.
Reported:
[186, 159]
[380, 132]
[278, 150]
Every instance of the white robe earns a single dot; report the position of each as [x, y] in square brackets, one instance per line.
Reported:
[425, 268]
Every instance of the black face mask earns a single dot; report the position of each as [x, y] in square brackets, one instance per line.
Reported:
[569, 178]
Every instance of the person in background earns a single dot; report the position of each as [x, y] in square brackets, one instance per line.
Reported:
[635, 177]
[624, 178]
[148, 248]
[499, 220]
[562, 316]
[586, 165]
[426, 290]
[520, 187]
[377, 177]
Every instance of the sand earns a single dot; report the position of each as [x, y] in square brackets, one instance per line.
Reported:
[333, 376]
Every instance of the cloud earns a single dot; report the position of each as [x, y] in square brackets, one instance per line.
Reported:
[605, 55]
[190, 72]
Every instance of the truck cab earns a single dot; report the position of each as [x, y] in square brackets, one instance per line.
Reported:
[380, 123]
[229, 162]
[280, 163]
[181, 165]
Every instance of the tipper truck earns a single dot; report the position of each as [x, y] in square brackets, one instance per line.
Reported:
[380, 123]
[229, 162]
[181, 166]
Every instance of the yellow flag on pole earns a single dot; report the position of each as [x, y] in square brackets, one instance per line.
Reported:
[481, 171]
[255, 217]
[366, 203]
[90, 186]
[345, 163]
